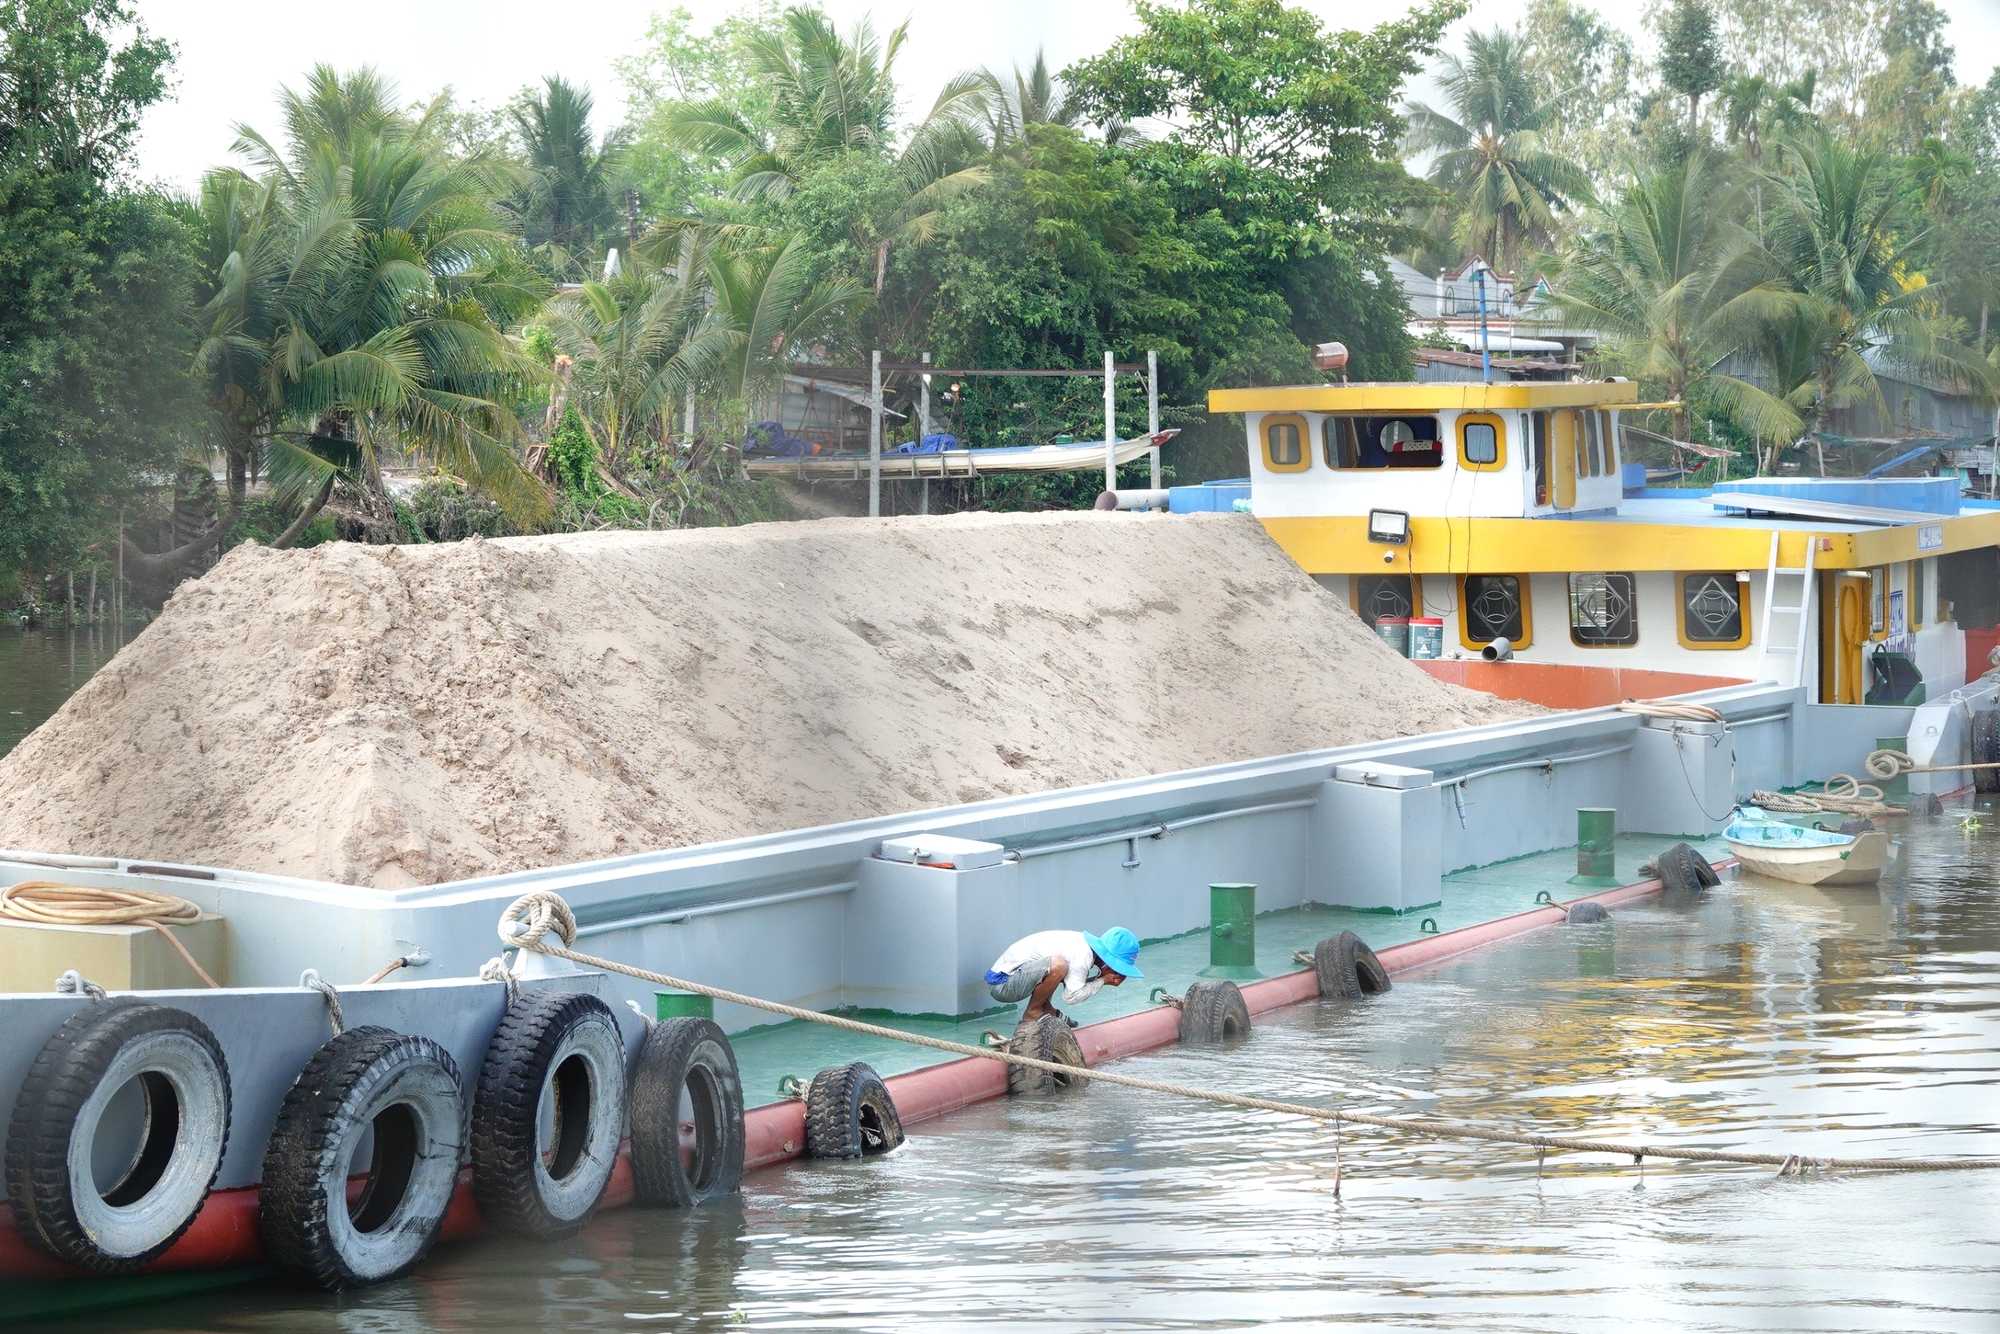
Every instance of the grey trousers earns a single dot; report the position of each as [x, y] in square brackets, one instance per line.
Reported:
[1021, 983]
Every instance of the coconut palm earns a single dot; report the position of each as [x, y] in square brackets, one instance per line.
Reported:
[1489, 152]
[568, 204]
[1842, 226]
[398, 282]
[1016, 102]
[765, 309]
[834, 96]
[1672, 287]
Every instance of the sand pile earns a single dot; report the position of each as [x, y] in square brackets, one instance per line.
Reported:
[397, 716]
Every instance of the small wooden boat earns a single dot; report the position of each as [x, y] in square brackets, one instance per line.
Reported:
[1766, 846]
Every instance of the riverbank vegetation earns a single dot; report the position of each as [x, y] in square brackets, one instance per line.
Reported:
[392, 317]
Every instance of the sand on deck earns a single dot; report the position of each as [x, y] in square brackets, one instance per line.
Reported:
[410, 715]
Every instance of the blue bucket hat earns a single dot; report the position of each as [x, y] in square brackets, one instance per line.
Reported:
[1119, 949]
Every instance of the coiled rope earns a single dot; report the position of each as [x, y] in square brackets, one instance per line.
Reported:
[1671, 708]
[51, 904]
[1889, 763]
[529, 920]
[1840, 793]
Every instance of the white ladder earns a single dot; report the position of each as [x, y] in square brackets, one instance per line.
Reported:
[1802, 610]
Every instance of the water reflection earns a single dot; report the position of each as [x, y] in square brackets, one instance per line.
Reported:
[39, 669]
[1761, 1015]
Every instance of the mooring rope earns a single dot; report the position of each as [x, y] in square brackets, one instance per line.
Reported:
[1841, 794]
[528, 921]
[1678, 710]
[1889, 763]
[51, 904]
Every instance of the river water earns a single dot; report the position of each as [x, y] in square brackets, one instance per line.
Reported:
[39, 669]
[1761, 1016]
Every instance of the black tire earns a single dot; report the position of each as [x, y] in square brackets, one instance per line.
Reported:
[1583, 914]
[143, 1063]
[849, 1114]
[1045, 1039]
[1861, 826]
[548, 1115]
[369, 1085]
[1684, 870]
[1986, 750]
[1347, 968]
[687, 1059]
[1213, 1012]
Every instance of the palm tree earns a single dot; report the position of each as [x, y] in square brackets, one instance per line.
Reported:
[835, 96]
[398, 282]
[765, 308]
[1842, 228]
[568, 204]
[1673, 287]
[1034, 98]
[1490, 155]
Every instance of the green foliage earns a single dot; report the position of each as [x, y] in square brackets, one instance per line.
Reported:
[447, 510]
[263, 519]
[94, 273]
[573, 456]
[569, 206]
[1691, 60]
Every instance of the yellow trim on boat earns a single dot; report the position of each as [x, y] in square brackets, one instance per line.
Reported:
[1338, 544]
[1404, 399]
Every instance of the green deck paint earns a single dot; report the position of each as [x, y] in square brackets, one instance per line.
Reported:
[682, 1005]
[1232, 933]
[1596, 847]
[1897, 788]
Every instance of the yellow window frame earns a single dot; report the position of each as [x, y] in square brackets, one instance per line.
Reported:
[1466, 419]
[1742, 639]
[1527, 614]
[1297, 423]
[1564, 438]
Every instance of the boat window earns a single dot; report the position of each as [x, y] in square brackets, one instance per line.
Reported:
[1712, 613]
[1340, 443]
[1380, 595]
[1878, 599]
[1538, 444]
[1479, 442]
[1382, 442]
[1603, 610]
[1285, 443]
[1493, 606]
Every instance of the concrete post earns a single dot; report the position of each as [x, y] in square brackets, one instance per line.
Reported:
[1110, 423]
[875, 434]
[1153, 412]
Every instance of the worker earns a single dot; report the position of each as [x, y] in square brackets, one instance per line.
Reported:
[1034, 966]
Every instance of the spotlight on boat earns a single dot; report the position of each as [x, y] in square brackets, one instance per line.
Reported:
[1498, 651]
[1390, 526]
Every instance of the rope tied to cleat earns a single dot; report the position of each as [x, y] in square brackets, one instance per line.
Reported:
[529, 921]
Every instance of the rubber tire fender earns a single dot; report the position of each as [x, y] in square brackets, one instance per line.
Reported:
[403, 1089]
[1986, 750]
[1586, 913]
[691, 1056]
[849, 1114]
[182, 1083]
[1045, 1039]
[559, 1055]
[1348, 969]
[1213, 1012]
[1683, 869]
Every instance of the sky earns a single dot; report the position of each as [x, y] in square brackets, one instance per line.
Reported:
[233, 55]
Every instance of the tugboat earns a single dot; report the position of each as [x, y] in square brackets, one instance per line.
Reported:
[1507, 515]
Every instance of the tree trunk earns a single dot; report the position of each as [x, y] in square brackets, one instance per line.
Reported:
[297, 527]
[881, 267]
[167, 564]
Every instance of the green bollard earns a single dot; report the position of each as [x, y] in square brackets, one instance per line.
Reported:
[1232, 933]
[1596, 847]
[682, 1005]
[1897, 788]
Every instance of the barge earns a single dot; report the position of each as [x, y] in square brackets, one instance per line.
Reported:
[400, 1018]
